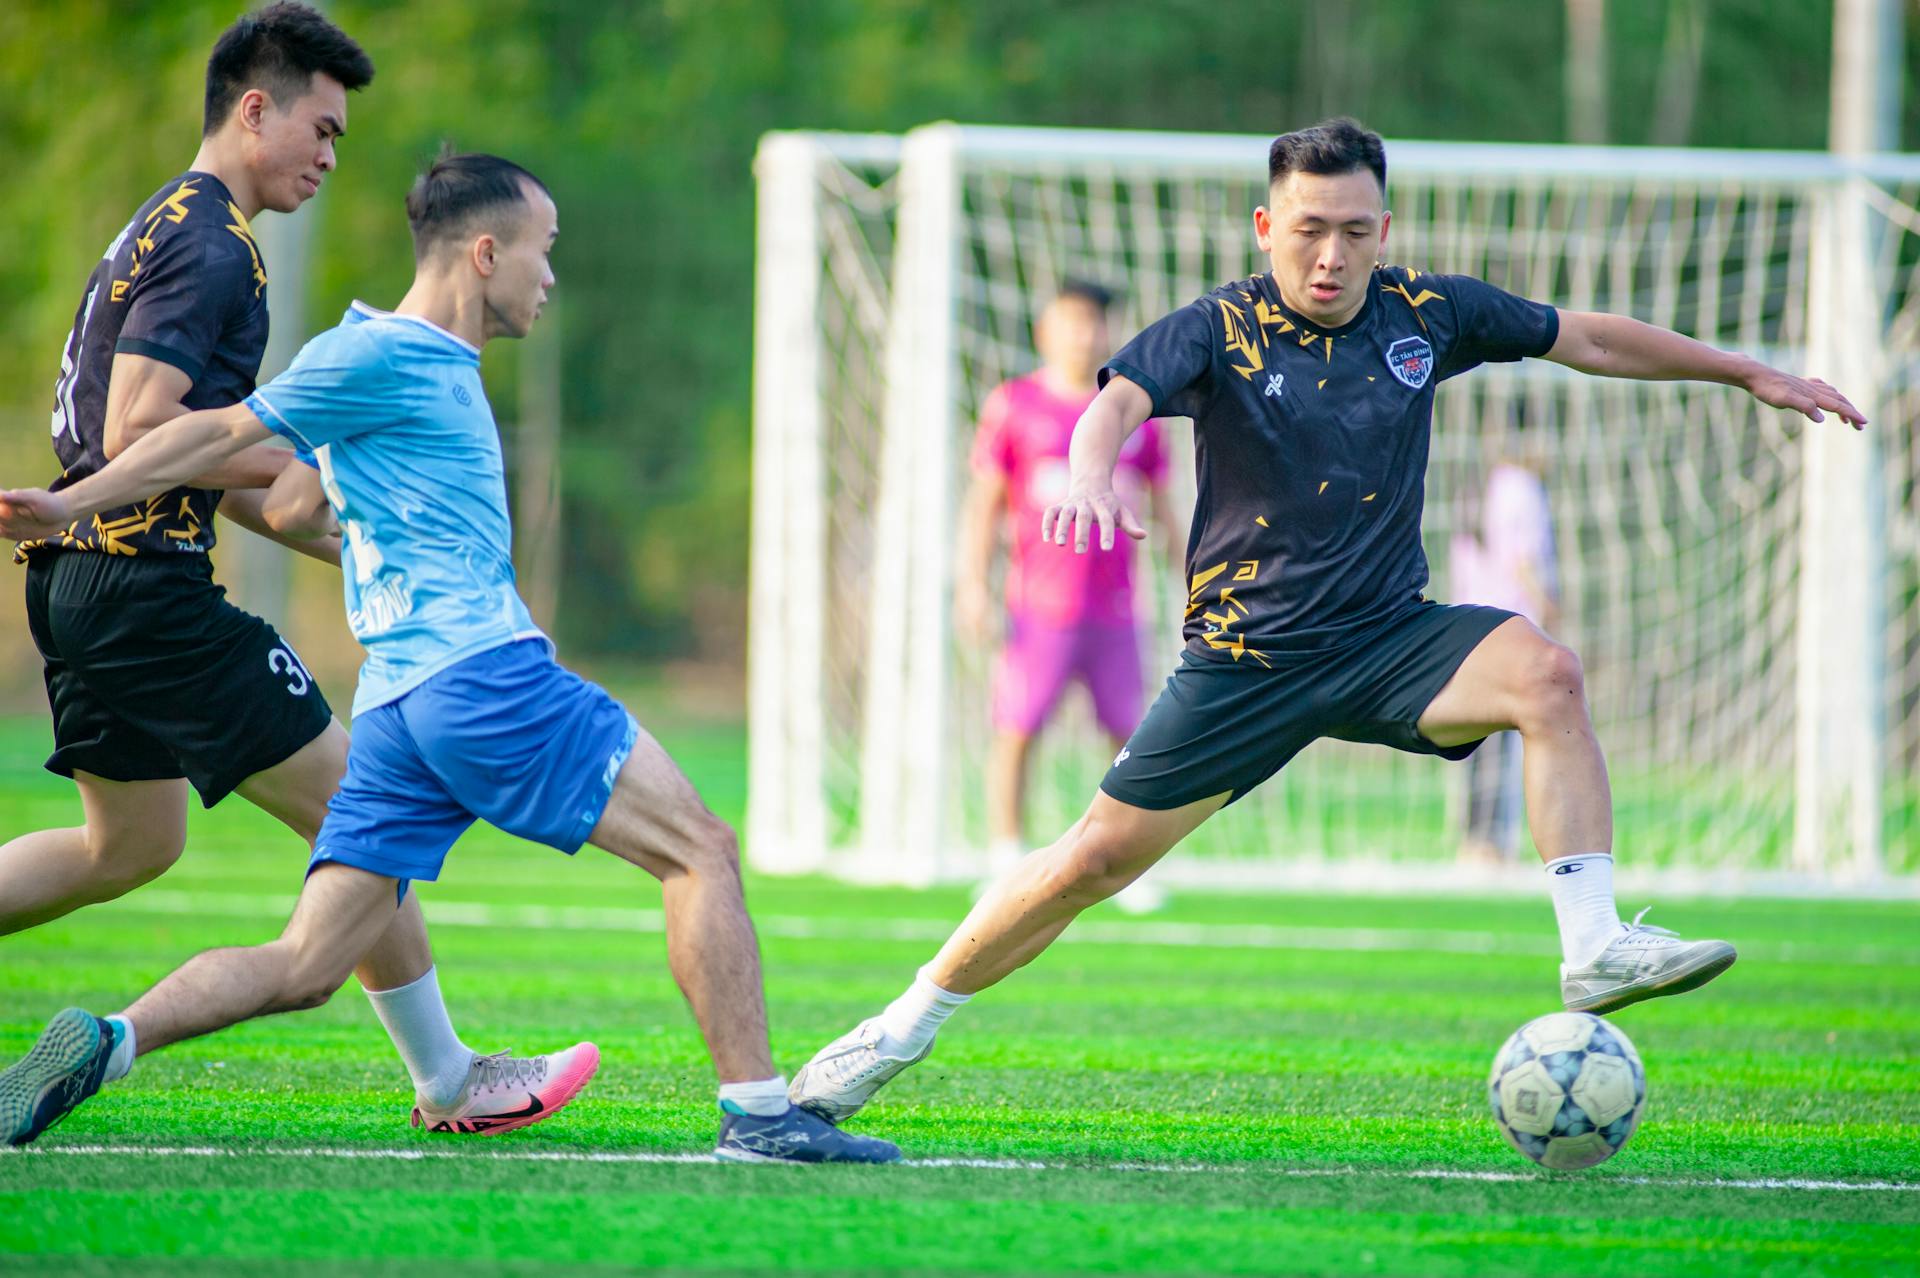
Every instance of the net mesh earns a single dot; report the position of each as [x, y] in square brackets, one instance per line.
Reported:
[1675, 506]
[857, 207]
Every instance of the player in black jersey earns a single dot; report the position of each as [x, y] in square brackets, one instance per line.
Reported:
[156, 682]
[1311, 388]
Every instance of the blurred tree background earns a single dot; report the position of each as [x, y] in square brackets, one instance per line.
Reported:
[643, 119]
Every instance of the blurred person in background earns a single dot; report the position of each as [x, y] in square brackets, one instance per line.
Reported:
[1505, 559]
[1068, 617]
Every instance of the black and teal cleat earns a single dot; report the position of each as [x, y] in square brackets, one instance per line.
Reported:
[64, 1068]
[796, 1136]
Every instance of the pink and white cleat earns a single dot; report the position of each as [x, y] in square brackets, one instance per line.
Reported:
[503, 1092]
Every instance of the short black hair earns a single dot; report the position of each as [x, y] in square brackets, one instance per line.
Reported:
[1331, 147]
[279, 49]
[448, 201]
[1097, 296]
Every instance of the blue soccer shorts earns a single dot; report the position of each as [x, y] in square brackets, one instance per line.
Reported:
[507, 736]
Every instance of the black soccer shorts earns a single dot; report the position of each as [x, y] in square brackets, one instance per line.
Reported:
[152, 674]
[1221, 726]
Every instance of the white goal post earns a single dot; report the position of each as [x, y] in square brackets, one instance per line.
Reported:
[1743, 589]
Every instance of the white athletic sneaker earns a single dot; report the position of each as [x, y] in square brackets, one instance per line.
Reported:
[1642, 963]
[505, 1092]
[843, 1076]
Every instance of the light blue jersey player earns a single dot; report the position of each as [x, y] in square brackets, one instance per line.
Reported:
[461, 705]
[462, 712]
[391, 410]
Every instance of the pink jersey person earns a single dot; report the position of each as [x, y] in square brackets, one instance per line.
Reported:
[1069, 617]
[1510, 565]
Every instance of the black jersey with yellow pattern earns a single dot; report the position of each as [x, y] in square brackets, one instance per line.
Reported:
[183, 283]
[1311, 447]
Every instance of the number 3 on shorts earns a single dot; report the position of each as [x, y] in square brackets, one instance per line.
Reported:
[282, 661]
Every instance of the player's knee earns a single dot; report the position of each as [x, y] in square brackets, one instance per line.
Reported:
[1553, 685]
[1012, 743]
[311, 978]
[1094, 866]
[125, 859]
[311, 988]
[714, 848]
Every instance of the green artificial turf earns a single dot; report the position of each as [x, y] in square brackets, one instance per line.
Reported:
[1183, 1097]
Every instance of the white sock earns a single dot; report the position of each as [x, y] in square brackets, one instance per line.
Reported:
[416, 1020]
[121, 1061]
[766, 1098]
[1582, 888]
[911, 1021]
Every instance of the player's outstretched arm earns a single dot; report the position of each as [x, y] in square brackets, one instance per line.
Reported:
[143, 394]
[1616, 346]
[1116, 412]
[313, 535]
[297, 504]
[166, 457]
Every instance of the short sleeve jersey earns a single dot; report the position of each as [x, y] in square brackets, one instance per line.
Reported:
[392, 410]
[1025, 429]
[1311, 447]
[183, 283]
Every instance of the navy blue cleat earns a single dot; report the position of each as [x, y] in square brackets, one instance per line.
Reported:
[796, 1137]
[49, 1082]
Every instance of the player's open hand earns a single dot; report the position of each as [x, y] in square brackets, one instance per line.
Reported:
[32, 512]
[1078, 516]
[1808, 395]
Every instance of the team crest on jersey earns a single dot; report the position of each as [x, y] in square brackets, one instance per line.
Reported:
[1411, 361]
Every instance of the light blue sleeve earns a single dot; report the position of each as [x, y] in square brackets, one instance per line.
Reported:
[343, 383]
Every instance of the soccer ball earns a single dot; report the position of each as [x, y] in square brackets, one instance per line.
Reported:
[1566, 1090]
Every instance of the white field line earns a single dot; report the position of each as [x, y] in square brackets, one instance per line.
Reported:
[1253, 936]
[977, 1164]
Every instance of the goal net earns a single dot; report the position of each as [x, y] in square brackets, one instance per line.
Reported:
[1744, 593]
